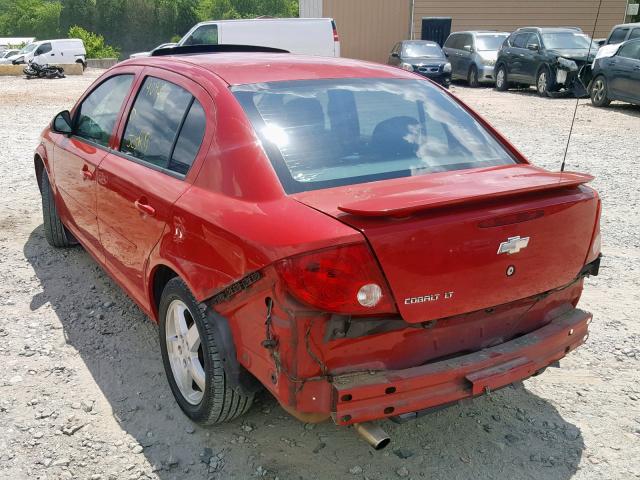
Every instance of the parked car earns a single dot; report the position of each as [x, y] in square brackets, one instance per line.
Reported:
[617, 77]
[424, 58]
[308, 36]
[619, 33]
[623, 32]
[473, 55]
[147, 54]
[346, 234]
[548, 58]
[6, 54]
[62, 51]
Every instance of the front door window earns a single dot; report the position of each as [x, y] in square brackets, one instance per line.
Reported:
[98, 112]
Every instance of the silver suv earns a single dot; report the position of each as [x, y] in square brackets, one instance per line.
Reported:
[473, 55]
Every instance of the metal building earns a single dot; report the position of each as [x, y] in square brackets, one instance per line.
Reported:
[369, 28]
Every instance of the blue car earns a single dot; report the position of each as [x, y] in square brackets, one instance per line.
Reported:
[617, 77]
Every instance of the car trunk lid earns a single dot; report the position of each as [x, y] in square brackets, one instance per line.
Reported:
[455, 242]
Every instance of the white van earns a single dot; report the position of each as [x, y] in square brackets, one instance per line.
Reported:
[62, 51]
[309, 36]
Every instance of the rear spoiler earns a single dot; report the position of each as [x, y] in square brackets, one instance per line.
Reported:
[190, 49]
[435, 195]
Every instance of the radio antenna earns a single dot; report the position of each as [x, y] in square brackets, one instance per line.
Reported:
[575, 110]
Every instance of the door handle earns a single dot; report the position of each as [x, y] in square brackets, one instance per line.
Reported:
[86, 173]
[142, 205]
[637, 67]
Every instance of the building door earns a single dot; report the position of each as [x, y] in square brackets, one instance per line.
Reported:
[436, 29]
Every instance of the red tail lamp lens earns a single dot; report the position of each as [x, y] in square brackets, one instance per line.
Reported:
[344, 279]
[336, 38]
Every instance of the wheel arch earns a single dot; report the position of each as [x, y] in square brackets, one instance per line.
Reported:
[237, 376]
[159, 276]
[38, 164]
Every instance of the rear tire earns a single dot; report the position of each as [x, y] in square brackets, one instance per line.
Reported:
[472, 77]
[192, 362]
[54, 231]
[502, 82]
[598, 93]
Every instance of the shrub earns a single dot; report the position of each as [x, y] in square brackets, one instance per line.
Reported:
[93, 43]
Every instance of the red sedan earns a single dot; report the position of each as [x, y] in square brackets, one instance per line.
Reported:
[348, 235]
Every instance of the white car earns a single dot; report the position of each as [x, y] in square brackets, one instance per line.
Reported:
[146, 54]
[307, 36]
[8, 53]
[59, 51]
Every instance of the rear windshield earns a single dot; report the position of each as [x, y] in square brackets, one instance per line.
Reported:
[326, 133]
[490, 41]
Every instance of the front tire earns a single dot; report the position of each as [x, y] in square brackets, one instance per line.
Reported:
[54, 231]
[598, 94]
[502, 83]
[193, 366]
[543, 82]
[472, 77]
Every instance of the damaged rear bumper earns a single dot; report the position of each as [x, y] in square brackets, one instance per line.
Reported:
[364, 397]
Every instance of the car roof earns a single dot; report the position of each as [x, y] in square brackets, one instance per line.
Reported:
[264, 19]
[550, 29]
[425, 42]
[476, 32]
[239, 68]
[635, 24]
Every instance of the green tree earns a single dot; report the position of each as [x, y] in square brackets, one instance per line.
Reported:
[93, 43]
[77, 12]
[226, 9]
[30, 18]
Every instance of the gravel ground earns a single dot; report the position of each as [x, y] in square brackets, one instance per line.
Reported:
[83, 393]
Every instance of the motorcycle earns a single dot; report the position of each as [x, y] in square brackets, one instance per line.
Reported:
[35, 70]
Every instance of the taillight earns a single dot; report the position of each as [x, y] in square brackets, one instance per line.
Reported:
[596, 239]
[335, 31]
[344, 279]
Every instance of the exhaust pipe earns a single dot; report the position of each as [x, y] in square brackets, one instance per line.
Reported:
[373, 435]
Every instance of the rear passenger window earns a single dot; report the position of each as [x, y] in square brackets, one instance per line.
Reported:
[189, 140]
[635, 33]
[618, 35]
[154, 121]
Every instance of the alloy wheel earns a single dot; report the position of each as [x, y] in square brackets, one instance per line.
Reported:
[185, 353]
[542, 82]
[500, 78]
[597, 91]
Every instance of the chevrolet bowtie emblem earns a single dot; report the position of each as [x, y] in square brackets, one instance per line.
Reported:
[513, 245]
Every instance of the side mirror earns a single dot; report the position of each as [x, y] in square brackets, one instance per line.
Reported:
[62, 123]
[468, 48]
[395, 55]
[533, 46]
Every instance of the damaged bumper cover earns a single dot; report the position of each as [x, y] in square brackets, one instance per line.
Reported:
[573, 77]
[369, 396]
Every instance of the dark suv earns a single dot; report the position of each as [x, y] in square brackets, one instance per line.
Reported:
[548, 58]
